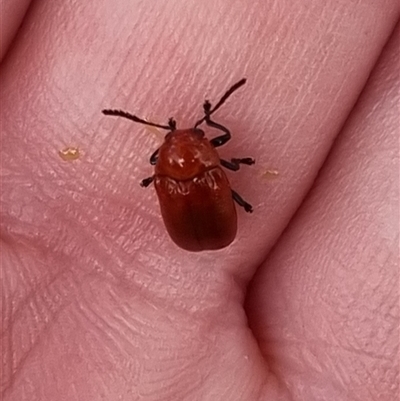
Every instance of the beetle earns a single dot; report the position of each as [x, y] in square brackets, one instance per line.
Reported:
[196, 200]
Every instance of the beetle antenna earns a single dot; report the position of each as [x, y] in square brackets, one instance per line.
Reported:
[229, 92]
[208, 111]
[172, 124]
[120, 113]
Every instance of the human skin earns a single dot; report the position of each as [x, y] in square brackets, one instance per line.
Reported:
[99, 304]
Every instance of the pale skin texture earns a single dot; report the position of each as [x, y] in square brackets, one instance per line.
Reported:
[99, 304]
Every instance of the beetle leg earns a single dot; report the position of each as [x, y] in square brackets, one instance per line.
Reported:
[234, 164]
[244, 160]
[147, 181]
[241, 202]
[154, 158]
[219, 140]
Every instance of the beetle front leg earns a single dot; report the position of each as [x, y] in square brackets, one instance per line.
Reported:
[234, 164]
[147, 181]
[219, 140]
[241, 202]
[154, 158]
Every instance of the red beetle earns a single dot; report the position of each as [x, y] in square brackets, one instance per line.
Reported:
[195, 197]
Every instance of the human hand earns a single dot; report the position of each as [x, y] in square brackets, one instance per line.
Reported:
[98, 303]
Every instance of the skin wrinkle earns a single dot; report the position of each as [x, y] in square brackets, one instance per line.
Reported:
[91, 219]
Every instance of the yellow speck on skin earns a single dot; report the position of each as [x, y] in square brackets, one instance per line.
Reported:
[270, 174]
[69, 153]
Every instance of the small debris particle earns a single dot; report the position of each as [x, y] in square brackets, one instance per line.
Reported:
[69, 153]
[270, 174]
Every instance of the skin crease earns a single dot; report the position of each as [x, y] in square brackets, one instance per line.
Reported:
[98, 303]
[12, 14]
